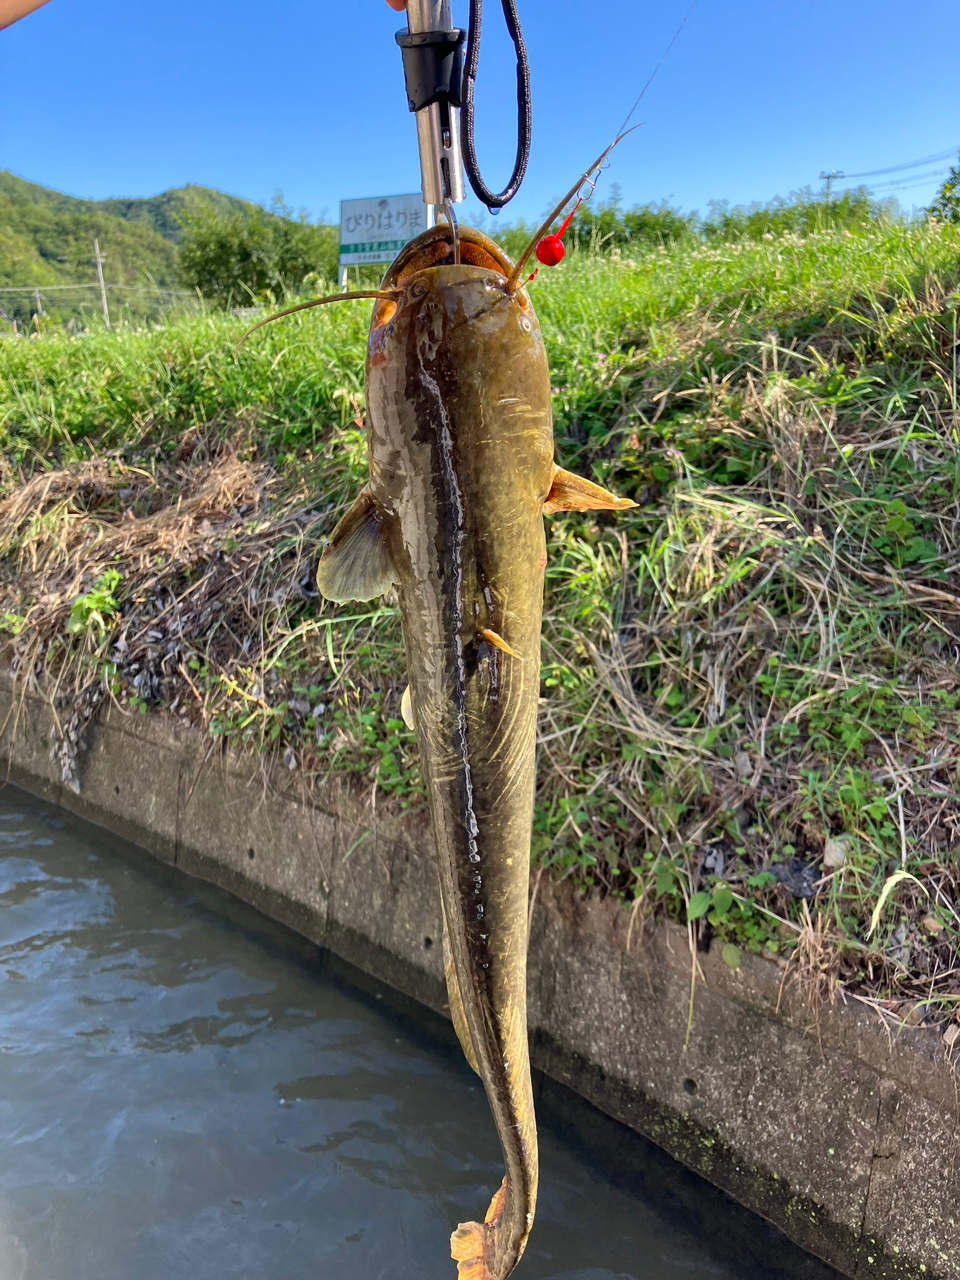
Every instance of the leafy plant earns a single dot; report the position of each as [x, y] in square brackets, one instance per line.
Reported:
[254, 254]
[91, 612]
[946, 203]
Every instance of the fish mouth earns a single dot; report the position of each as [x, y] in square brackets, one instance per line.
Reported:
[415, 271]
[434, 248]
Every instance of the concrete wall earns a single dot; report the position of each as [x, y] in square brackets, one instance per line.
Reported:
[839, 1130]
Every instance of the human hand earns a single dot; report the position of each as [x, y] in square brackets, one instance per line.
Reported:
[12, 10]
[399, 5]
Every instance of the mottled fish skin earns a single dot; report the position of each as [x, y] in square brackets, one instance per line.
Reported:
[460, 442]
[461, 462]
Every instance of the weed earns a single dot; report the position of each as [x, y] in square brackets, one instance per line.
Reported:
[91, 611]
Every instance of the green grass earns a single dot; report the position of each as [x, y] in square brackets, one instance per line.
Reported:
[756, 667]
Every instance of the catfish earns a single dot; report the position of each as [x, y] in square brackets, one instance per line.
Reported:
[462, 471]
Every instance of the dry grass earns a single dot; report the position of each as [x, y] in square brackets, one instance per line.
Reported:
[127, 581]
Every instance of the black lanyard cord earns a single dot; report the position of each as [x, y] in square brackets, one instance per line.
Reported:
[524, 118]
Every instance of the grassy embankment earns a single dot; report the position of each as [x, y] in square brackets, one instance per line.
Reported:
[751, 696]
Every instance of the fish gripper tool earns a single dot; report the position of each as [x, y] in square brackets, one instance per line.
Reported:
[432, 51]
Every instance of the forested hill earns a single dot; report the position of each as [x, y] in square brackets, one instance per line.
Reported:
[46, 237]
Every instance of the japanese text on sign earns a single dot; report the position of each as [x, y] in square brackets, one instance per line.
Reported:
[375, 230]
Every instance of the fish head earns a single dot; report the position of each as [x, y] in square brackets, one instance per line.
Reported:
[455, 342]
[434, 293]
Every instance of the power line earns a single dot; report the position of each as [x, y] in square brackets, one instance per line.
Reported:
[45, 288]
[910, 164]
[895, 184]
[135, 288]
[142, 288]
[915, 180]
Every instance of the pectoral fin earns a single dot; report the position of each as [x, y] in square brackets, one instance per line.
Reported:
[406, 708]
[572, 493]
[456, 1003]
[356, 564]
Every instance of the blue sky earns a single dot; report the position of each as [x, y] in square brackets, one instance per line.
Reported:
[755, 98]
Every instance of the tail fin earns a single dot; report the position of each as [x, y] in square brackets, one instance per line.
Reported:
[472, 1244]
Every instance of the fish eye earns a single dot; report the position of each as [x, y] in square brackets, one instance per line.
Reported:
[525, 324]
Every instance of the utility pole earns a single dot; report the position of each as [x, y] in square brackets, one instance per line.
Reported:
[835, 175]
[103, 287]
[36, 298]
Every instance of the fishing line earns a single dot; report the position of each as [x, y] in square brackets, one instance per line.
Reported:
[550, 249]
[495, 202]
[513, 281]
[656, 68]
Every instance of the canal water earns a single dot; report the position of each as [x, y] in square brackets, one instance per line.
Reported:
[189, 1091]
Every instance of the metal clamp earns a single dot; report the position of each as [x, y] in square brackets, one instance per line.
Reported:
[432, 64]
